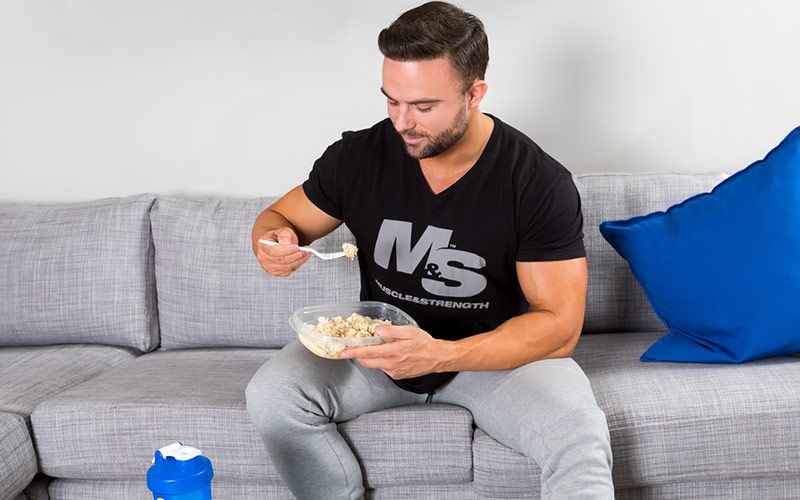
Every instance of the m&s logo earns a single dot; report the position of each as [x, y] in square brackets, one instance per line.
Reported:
[441, 278]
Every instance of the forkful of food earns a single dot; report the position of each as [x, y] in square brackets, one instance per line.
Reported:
[348, 250]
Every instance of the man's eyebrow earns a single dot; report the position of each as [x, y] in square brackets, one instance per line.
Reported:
[419, 101]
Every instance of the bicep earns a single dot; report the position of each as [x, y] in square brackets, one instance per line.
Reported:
[558, 287]
[309, 221]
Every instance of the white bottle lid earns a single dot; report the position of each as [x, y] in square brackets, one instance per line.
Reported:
[179, 451]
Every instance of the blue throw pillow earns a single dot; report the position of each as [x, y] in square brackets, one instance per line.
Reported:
[722, 269]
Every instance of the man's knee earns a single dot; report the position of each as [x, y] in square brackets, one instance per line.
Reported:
[273, 399]
[579, 414]
[270, 399]
[581, 430]
[591, 422]
[262, 396]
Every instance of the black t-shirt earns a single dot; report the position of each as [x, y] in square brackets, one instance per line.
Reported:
[448, 259]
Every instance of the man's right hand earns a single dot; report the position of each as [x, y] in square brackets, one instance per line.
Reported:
[291, 218]
[283, 259]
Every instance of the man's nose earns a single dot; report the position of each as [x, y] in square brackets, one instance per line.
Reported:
[404, 119]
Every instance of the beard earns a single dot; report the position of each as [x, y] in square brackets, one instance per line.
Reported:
[436, 145]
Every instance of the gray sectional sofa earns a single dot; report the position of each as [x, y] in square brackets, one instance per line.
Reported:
[129, 323]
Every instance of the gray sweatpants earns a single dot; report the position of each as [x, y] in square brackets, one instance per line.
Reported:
[545, 410]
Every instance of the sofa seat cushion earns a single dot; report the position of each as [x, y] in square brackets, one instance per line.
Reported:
[30, 375]
[109, 427]
[69, 489]
[17, 458]
[501, 472]
[781, 488]
[684, 423]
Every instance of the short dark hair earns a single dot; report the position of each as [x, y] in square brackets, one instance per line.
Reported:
[437, 29]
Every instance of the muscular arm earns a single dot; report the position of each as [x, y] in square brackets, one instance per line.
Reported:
[556, 292]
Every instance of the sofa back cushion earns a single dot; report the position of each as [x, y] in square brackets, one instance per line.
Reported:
[211, 289]
[78, 273]
[615, 302]
[213, 292]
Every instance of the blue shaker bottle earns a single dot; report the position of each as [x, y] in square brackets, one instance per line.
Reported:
[180, 473]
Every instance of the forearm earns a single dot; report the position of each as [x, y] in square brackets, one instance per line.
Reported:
[520, 340]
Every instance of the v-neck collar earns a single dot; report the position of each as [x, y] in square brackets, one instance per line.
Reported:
[480, 164]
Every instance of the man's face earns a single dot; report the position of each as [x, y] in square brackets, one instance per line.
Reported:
[426, 105]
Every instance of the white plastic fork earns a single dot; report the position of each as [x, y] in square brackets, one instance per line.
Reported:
[321, 255]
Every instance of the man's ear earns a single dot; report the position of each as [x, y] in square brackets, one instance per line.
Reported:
[477, 91]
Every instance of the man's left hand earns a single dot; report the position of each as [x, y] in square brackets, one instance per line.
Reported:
[413, 352]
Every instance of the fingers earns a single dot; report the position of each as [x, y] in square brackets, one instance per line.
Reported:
[285, 236]
[287, 242]
[379, 363]
[284, 259]
[287, 268]
[395, 331]
[371, 352]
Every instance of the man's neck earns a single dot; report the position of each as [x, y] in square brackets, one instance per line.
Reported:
[466, 151]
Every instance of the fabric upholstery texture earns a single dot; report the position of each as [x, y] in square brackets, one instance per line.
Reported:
[197, 396]
[782, 488]
[668, 423]
[17, 458]
[78, 273]
[733, 489]
[615, 301]
[684, 423]
[212, 291]
[37, 490]
[69, 489]
[501, 472]
[30, 375]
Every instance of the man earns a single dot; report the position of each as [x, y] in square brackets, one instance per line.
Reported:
[467, 225]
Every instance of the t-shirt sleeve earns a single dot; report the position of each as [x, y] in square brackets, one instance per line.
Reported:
[551, 228]
[325, 186]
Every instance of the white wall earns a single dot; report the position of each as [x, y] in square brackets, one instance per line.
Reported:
[106, 98]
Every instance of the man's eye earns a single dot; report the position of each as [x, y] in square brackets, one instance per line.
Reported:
[425, 110]
[392, 103]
